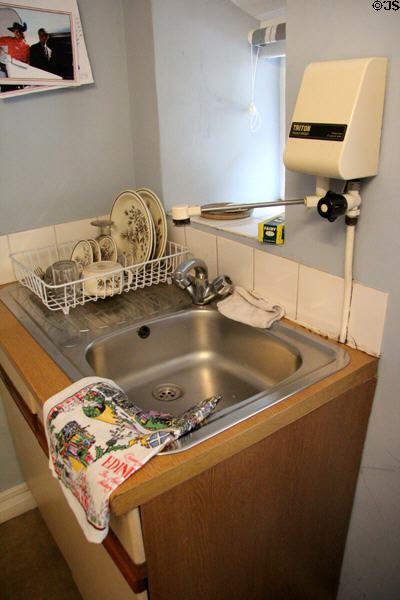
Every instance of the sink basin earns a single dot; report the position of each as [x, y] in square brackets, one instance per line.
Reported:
[168, 355]
[175, 361]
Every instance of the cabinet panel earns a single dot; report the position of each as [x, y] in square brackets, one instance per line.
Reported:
[94, 572]
[268, 523]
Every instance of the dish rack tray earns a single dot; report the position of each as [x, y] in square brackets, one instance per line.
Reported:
[30, 267]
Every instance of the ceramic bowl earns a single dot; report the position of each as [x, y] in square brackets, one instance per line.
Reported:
[104, 278]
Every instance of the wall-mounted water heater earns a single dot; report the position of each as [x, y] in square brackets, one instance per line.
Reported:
[336, 125]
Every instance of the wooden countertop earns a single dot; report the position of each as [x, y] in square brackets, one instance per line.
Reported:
[44, 378]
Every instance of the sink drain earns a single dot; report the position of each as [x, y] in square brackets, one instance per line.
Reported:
[167, 392]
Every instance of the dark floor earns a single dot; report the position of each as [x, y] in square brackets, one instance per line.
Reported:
[31, 565]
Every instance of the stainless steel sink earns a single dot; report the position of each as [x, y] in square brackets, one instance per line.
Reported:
[174, 361]
[168, 354]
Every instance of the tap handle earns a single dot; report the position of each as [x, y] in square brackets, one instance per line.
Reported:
[182, 277]
[222, 285]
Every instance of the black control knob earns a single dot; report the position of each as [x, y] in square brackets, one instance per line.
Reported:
[332, 206]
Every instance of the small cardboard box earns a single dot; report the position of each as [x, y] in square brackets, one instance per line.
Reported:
[272, 231]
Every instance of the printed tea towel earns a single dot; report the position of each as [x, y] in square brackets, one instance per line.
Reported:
[97, 438]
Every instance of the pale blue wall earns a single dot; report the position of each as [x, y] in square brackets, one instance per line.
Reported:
[208, 153]
[143, 94]
[67, 154]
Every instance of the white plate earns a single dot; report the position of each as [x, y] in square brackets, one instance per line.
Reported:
[132, 229]
[82, 254]
[154, 244]
[108, 248]
[95, 249]
[157, 212]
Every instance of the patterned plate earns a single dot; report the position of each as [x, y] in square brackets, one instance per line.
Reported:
[154, 245]
[131, 229]
[108, 248]
[82, 254]
[156, 209]
[95, 249]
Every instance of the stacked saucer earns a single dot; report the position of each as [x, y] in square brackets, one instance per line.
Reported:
[89, 251]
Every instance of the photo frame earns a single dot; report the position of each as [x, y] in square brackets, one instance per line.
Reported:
[41, 47]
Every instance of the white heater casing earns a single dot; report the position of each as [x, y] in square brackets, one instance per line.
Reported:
[337, 121]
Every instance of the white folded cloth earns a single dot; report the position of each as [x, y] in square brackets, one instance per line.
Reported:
[250, 308]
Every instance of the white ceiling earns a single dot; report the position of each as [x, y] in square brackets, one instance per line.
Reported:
[261, 9]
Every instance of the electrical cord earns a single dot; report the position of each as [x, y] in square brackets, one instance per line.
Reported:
[255, 120]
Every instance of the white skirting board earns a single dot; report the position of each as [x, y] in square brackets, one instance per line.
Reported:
[15, 501]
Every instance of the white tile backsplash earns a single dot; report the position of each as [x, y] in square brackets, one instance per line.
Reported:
[311, 297]
[276, 278]
[367, 319]
[176, 234]
[75, 230]
[236, 261]
[319, 303]
[29, 240]
[6, 269]
[203, 245]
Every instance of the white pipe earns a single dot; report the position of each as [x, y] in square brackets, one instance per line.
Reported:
[321, 188]
[232, 207]
[348, 281]
[322, 185]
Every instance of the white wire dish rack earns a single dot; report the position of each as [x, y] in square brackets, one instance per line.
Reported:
[30, 265]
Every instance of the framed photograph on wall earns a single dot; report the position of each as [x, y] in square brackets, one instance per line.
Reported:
[41, 47]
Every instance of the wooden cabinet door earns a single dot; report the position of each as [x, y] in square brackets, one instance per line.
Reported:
[95, 573]
[268, 523]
